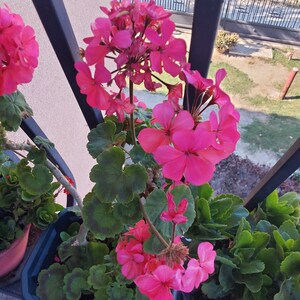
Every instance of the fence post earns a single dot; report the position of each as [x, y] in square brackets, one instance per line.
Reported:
[288, 82]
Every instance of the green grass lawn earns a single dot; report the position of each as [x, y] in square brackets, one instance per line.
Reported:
[277, 133]
[236, 82]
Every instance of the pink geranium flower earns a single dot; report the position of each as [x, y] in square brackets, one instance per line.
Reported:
[140, 231]
[132, 259]
[164, 115]
[97, 96]
[106, 38]
[198, 270]
[119, 104]
[175, 213]
[166, 49]
[187, 158]
[223, 130]
[156, 286]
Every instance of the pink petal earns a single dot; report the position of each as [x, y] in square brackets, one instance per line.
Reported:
[102, 74]
[198, 170]
[155, 58]
[183, 121]
[176, 49]
[95, 54]
[163, 114]
[122, 39]
[153, 36]
[167, 29]
[150, 139]
[170, 66]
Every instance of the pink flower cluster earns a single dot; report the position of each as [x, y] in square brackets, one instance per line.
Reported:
[18, 51]
[138, 38]
[183, 143]
[153, 274]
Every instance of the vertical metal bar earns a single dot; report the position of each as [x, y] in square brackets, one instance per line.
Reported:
[59, 30]
[204, 29]
[285, 167]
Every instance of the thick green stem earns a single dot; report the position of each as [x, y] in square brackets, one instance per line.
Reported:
[132, 127]
[158, 235]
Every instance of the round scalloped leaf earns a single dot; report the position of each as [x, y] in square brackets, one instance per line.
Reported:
[138, 155]
[37, 156]
[255, 266]
[100, 219]
[12, 108]
[51, 282]
[291, 264]
[101, 294]
[112, 181]
[97, 277]
[96, 252]
[119, 292]
[75, 282]
[156, 203]
[128, 213]
[36, 180]
[103, 137]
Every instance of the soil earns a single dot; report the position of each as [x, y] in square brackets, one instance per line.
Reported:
[236, 175]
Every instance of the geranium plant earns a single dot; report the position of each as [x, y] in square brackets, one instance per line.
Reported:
[148, 160]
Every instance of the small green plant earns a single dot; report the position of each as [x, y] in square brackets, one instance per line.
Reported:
[225, 41]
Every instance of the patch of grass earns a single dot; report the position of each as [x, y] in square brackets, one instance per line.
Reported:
[284, 108]
[276, 134]
[279, 57]
[236, 81]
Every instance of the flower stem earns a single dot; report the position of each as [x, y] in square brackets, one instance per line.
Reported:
[173, 233]
[158, 235]
[132, 127]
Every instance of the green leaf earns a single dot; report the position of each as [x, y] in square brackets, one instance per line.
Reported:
[153, 245]
[205, 191]
[100, 219]
[271, 261]
[204, 210]
[225, 260]
[97, 277]
[226, 278]
[291, 264]
[36, 180]
[244, 240]
[103, 137]
[128, 213]
[252, 281]
[119, 292]
[288, 230]
[74, 283]
[51, 283]
[289, 290]
[13, 108]
[138, 155]
[213, 290]
[43, 142]
[260, 240]
[228, 209]
[113, 181]
[255, 266]
[37, 156]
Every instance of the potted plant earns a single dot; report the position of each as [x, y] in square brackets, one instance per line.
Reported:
[226, 41]
[27, 193]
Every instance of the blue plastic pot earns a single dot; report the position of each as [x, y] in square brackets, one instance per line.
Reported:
[43, 254]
